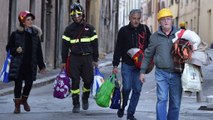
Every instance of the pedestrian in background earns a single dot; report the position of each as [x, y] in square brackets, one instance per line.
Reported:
[182, 25]
[81, 40]
[168, 82]
[133, 35]
[25, 47]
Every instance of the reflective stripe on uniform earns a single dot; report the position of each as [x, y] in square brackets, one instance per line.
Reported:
[73, 41]
[65, 38]
[94, 37]
[75, 91]
[86, 90]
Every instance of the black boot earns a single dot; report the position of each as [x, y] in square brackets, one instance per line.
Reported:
[17, 102]
[85, 103]
[76, 103]
[25, 104]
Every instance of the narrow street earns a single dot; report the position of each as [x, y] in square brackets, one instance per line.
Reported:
[45, 107]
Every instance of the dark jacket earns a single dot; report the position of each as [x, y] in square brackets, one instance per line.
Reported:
[80, 39]
[30, 58]
[129, 37]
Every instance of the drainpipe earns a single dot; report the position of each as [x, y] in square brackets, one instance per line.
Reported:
[198, 19]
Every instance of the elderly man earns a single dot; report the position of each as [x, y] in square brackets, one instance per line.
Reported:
[168, 82]
[133, 35]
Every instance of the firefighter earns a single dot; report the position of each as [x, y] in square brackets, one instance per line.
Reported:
[80, 44]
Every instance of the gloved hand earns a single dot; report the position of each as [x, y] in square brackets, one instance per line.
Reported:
[19, 50]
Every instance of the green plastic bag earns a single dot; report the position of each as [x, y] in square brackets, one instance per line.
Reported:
[104, 93]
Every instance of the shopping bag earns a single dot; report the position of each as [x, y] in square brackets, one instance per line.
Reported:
[191, 78]
[61, 85]
[97, 82]
[104, 93]
[117, 98]
[4, 75]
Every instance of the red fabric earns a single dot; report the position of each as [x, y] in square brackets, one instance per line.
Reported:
[68, 66]
[138, 57]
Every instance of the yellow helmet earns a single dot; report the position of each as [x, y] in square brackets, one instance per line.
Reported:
[165, 12]
[182, 24]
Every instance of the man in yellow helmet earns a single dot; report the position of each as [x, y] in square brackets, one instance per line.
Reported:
[167, 80]
[81, 39]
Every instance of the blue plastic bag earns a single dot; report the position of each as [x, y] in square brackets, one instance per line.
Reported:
[97, 82]
[117, 99]
[4, 75]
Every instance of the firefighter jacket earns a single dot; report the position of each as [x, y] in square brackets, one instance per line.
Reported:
[80, 39]
[129, 37]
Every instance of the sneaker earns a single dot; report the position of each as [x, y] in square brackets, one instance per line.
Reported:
[131, 118]
[76, 108]
[120, 113]
[85, 104]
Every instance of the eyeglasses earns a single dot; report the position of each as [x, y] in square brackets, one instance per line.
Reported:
[166, 19]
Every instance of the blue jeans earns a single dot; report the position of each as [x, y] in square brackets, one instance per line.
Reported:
[130, 80]
[168, 86]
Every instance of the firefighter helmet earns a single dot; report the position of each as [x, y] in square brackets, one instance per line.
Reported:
[76, 10]
[23, 14]
[165, 12]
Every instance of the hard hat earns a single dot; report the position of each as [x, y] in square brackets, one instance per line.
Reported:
[23, 14]
[76, 10]
[182, 24]
[165, 12]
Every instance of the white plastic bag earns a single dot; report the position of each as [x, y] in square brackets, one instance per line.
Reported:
[98, 81]
[191, 78]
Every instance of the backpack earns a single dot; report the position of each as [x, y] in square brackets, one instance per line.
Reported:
[61, 85]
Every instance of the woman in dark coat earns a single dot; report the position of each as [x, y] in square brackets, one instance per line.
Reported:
[25, 48]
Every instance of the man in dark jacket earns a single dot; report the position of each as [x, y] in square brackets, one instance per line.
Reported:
[81, 40]
[134, 35]
[25, 47]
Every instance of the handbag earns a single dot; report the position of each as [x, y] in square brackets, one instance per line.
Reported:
[191, 78]
[4, 75]
[97, 82]
[61, 85]
[104, 93]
